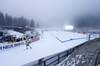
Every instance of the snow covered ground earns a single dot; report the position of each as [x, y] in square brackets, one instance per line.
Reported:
[46, 46]
[18, 34]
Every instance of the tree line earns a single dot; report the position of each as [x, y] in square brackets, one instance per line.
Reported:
[8, 20]
[87, 21]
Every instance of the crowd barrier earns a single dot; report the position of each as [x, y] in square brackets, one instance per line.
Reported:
[11, 45]
[35, 39]
[15, 44]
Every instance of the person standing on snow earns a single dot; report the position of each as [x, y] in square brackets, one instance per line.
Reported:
[27, 44]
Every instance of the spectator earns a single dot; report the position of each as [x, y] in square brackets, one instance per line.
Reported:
[24, 38]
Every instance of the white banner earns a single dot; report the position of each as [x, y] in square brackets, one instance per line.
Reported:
[11, 45]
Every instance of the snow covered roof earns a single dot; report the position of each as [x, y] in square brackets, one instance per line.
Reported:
[15, 33]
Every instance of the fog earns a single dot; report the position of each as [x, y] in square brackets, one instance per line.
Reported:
[51, 13]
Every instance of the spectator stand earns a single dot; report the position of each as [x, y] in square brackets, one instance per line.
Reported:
[11, 41]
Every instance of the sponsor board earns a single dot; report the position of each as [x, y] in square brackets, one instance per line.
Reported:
[35, 39]
[11, 45]
[15, 44]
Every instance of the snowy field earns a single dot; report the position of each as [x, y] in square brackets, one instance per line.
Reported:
[47, 45]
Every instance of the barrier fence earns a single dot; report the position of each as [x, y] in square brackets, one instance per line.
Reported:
[7, 46]
[11, 45]
[54, 59]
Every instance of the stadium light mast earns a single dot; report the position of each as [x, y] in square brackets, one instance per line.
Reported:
[69, 27]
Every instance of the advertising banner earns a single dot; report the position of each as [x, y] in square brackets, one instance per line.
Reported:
[35, 39]
[11, 45]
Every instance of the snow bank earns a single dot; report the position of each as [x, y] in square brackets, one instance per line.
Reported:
[15, 33]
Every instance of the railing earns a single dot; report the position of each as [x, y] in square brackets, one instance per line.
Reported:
[97, 58]
[54, 59]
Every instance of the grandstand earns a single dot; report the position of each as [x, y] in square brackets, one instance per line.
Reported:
[19, 29]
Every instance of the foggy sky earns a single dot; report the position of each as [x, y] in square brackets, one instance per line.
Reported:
[50, 13]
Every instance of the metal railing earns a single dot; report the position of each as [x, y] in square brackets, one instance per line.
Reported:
[97, 58]
[57, 58]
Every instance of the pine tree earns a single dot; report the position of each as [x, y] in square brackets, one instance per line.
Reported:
[2, 21]
[32, 23]
[8, 20]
